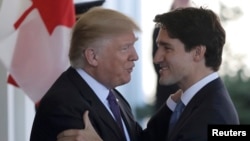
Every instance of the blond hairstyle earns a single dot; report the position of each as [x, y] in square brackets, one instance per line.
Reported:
[94, 25]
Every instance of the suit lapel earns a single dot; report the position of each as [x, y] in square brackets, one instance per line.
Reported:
[127, 117]
[193, 105]
[106, 118]
[96, 106]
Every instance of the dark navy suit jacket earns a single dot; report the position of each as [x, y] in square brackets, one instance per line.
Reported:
[211, 105]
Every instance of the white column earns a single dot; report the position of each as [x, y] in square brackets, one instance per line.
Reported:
[24, 111]
[4, 123]
[16, 111]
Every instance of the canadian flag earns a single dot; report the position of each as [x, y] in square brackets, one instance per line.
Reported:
[34, 42]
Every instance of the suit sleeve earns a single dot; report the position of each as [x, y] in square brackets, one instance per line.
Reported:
[157, 127]
[53, 117]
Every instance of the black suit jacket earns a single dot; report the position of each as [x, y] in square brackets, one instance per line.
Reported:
[211, 105]
[64, 104]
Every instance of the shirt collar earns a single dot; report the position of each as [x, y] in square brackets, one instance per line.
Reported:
[100, 90]
[190, 92]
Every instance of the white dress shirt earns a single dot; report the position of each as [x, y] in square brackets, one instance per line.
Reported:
[191, 91]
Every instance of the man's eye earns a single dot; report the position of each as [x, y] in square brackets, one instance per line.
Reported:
[125, 47]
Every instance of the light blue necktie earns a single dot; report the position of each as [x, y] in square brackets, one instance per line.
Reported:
[176, 114]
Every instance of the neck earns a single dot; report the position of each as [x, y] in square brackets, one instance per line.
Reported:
[196, 76]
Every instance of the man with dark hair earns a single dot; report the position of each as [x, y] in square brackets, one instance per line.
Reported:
[190, 45]
[163, 91]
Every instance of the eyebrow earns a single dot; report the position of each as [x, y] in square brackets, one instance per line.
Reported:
[163, 43]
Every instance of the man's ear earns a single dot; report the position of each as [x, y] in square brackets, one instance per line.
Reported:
[199, 52]
[90, 55]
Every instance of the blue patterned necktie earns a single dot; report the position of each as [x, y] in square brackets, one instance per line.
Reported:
[114, 107]
[176, 114]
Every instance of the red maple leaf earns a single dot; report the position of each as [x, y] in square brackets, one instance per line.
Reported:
[53, 13]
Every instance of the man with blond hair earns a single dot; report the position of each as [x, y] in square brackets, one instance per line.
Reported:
[102, 57]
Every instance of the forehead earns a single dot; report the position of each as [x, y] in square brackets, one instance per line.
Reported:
[162, 35]
[119, 40]
[125, 37]
[163, 39]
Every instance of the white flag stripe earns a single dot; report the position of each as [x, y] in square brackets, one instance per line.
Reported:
[10, 11]
[33, 56]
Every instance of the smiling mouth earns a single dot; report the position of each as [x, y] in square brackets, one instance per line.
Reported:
[163, 68]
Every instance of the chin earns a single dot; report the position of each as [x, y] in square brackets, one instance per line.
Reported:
[125, 81]
[165, 82]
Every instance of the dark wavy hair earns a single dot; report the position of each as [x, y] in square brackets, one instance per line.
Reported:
[196, 26]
